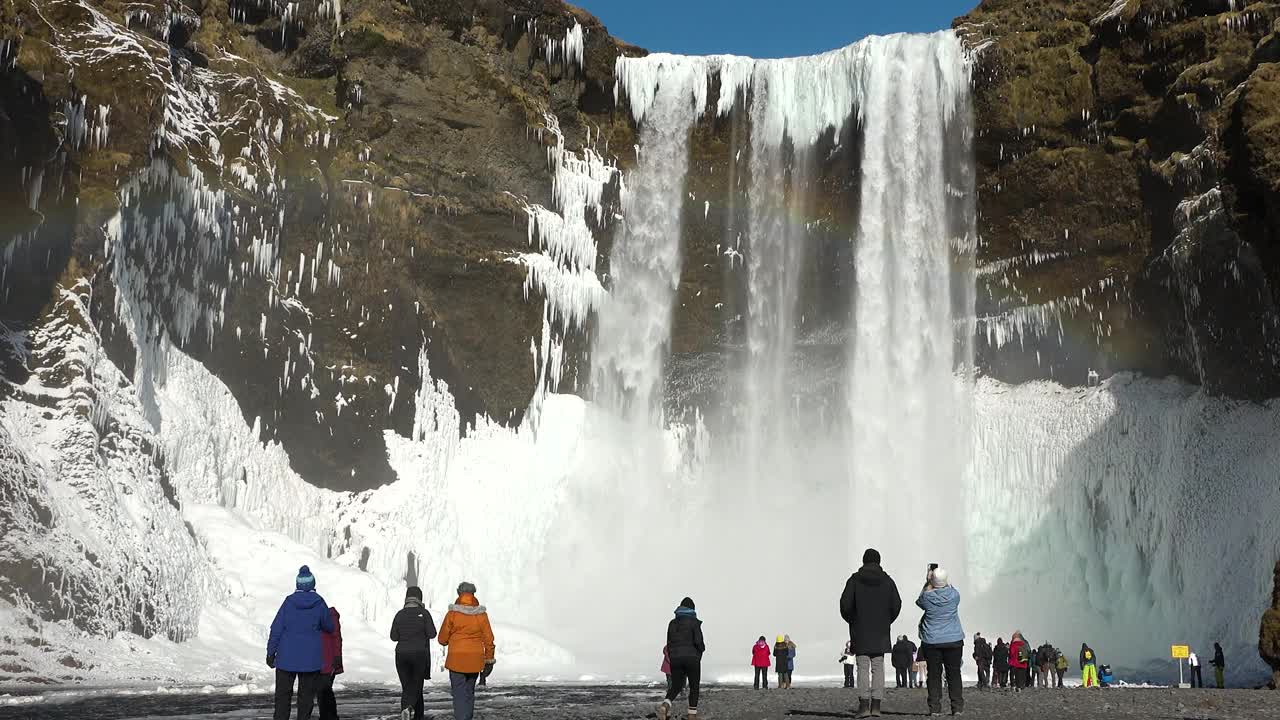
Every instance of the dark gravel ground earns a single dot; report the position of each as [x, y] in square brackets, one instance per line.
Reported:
[568, 702]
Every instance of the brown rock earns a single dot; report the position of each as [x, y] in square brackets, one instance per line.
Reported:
[1269, 633]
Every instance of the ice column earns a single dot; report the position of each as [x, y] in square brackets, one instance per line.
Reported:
[667, 94]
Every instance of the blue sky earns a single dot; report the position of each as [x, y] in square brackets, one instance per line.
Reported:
[766, 28]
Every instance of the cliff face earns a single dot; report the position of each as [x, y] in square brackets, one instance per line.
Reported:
[364, 173]
[304, 195]
[1128, 178]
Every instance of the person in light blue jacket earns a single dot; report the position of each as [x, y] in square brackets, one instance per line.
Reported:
[942, 640]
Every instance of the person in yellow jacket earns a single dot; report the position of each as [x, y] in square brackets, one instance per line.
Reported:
[468, 636]
[1088, 666]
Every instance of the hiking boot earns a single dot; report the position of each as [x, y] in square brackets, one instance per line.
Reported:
[875, 708]
[663, 709]
[406, 714]
[864, 708]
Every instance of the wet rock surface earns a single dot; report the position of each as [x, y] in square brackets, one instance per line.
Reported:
[632, 703]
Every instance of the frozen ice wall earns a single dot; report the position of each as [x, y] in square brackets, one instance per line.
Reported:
[1129, 515]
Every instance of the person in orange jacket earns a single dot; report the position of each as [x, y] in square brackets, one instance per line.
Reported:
[468, 636]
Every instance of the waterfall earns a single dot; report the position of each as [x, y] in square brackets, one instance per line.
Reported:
[908, 409]
[633, 334]
[773, 486]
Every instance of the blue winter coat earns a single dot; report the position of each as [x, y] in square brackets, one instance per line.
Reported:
[295, 633]
[941, 622]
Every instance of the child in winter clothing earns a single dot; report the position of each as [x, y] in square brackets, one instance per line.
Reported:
[666, 665]
[331, 646]
[1061, 668]
[760, 663]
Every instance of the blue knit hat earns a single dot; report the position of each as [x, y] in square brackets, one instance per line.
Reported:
[306, 582]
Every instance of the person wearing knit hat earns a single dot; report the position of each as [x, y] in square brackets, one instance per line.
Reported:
[870, 603]
[295, 646]
[467, 634]
[685, 646]
[942, 639]
[412, 630]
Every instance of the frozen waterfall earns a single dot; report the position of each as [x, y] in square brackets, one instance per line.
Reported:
[693, 500]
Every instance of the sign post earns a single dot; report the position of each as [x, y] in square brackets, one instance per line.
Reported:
[1180, 653]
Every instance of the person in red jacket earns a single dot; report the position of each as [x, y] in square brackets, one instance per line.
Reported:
[1019, 661]
[761, 659]
[331, 655]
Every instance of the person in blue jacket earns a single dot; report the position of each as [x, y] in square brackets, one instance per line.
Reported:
[942, 640]
[294, 649]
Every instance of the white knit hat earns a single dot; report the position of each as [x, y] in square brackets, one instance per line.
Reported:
[939, 578]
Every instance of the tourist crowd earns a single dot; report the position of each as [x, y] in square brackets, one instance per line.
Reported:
[305, 650]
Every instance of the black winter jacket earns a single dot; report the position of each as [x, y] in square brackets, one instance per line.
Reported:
[870, 604]
[1001, 655]
[684, 637]
[904, 653]
[413, 629]
[982, 652]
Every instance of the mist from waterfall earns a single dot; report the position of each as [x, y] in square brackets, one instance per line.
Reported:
[742, 505]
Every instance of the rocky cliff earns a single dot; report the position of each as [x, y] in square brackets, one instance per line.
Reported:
[1127, 186]
[304, 195]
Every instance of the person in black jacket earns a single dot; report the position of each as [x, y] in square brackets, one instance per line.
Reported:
[904, 653]
[685, 646]
[1000, 657]
[412, 630]
[982, 655]
[870, 604]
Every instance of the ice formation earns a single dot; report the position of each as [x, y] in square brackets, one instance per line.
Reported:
[1130, 509]
[1072, 492]
[634, 324]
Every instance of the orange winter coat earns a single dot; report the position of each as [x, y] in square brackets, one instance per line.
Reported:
[467, 634]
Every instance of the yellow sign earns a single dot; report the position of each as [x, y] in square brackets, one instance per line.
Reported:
[1181, 652]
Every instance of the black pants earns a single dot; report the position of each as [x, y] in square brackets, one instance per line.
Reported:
[412, 670]
[308, 684]
[1001, 678]
[762, 678]
[1061, 673]
[326, 700]
[940, 659]
[902, 677]
[1196, 680]
[984, 675]
[685, 670]
[850, 676]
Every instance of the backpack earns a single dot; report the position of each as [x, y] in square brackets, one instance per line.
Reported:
[1023, 657]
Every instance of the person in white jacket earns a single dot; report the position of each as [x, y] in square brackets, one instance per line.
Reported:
[1194, 661]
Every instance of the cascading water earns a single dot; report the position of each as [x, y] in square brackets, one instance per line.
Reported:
[633, 334]
[907, 401]
[770, 495]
